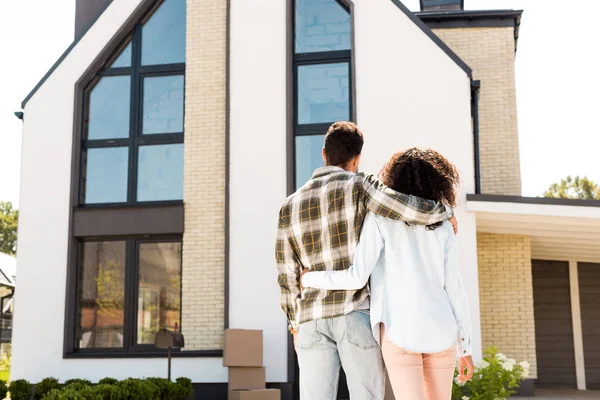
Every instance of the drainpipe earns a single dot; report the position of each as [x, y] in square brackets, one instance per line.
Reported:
[475, 86]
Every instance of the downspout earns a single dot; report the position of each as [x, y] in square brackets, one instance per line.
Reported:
[475, 86]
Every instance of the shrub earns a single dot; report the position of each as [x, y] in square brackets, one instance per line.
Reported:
[75, 391]
[20, 390]
[83, 382]
[44, 387]
[185, 387]
[138, 389]
[108, 381]
[107, 391]
[496, 377]
[129, 389]
[3, 389]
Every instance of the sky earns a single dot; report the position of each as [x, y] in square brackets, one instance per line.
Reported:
[557, 73]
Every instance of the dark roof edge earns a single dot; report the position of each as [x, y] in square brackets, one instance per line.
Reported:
[493, 198]
[417, 21]
[473, 19]
[64, 55]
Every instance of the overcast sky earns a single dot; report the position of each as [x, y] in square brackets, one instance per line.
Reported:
[558, 82]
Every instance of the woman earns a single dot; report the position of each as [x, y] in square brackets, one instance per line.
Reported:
[419, 310]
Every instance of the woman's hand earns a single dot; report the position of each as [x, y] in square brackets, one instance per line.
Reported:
[465, 363]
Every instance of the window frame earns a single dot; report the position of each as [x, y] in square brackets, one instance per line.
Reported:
[106, 221]
[316, 58]
[131, 293]
[137, 138]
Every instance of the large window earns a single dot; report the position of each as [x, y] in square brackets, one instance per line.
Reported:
[132, 142]
[128, 289]
[125, 276]
[322, 78]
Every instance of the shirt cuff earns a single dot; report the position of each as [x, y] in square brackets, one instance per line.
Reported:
[307, 282]
[464, 345]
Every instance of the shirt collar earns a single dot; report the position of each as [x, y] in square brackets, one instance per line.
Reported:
[328, 170]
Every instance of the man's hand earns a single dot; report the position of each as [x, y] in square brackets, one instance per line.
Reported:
[305, 270]
[454, 223]
[465, 363]
[294, 336]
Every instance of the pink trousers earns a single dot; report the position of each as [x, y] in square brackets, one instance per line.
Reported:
[418, 376]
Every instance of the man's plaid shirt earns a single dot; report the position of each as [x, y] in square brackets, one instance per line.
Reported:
[319, 228]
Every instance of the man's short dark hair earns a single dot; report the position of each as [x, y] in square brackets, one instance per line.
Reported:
[343, 142]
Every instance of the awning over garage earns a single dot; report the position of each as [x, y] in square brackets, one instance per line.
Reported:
[560, 229]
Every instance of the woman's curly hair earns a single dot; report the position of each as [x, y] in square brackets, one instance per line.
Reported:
[423, 173]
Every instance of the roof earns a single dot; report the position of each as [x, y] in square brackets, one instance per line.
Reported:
[473, 19]
[64, 55]
[8, 270]
[557, 229]
[424, 20]
[496, 198]
[427, 30]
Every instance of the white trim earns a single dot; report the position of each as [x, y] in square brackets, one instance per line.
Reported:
[545, 210]
[577, 331]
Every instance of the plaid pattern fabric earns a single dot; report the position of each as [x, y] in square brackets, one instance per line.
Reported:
[319, 227]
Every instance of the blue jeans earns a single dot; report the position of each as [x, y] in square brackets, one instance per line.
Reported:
[326, 344]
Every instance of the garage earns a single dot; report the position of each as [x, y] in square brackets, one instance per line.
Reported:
[589, 295]
[553, 325]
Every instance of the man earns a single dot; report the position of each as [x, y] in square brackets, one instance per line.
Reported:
[319, 228]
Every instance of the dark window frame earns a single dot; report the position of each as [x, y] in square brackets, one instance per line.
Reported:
[137, 73]
[147, 220]
[316, 58]
[131, 293]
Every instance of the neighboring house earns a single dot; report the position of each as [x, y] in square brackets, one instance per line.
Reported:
[8, 281]
[166, 137]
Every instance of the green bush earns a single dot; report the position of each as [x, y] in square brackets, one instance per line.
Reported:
[44, 387]
[3, 389]
[138, 389]
[108, 391]
[20, 390]
[129, 389]
[107, 381]
[496, 377]
[186, 390]
[83, 382]
[75, 391]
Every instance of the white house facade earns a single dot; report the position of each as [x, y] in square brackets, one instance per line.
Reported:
[167, 135]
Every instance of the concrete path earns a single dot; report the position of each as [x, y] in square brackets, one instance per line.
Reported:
[546, 394]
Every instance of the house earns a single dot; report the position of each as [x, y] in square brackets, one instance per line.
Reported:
[8, 281]
[166, 136]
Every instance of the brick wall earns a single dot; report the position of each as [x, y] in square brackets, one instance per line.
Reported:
[506, 295]
[490, 52]
[203, 280]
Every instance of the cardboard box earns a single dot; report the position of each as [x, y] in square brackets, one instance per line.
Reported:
[264, 394]
[243, 348]
[246, 378]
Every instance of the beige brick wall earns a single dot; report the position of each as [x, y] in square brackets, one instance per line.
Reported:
[203, 280]
[490, 52]
[506, 295]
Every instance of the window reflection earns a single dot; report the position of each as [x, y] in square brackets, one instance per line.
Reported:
[159, 290]
[321, 25]
[323, 93]
[108, 108]
[160, 172]
[163, 104]
[101, 300]
[163, 35]
[308, 157]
